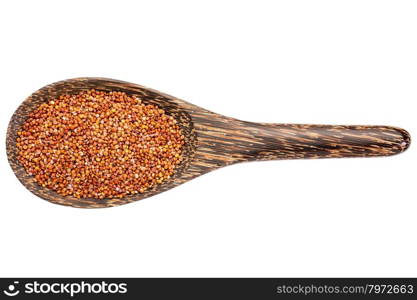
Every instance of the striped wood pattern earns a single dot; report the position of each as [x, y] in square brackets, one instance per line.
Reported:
[212, 140]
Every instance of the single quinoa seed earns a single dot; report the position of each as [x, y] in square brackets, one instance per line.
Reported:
[98, 144]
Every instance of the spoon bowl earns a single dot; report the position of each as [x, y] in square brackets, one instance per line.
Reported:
[211, 140]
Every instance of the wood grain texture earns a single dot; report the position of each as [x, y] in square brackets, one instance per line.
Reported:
[212, 140]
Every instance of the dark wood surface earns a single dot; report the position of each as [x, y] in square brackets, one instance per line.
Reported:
[212, 140]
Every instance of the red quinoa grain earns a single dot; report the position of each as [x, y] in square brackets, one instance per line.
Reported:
[98, 144]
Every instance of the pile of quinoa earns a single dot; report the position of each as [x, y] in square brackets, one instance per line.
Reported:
[99, 144]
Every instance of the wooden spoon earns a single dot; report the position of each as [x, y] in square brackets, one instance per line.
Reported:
[212, 140]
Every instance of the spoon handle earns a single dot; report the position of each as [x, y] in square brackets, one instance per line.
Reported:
[259, 141]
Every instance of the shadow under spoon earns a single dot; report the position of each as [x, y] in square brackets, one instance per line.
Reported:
[212, 141]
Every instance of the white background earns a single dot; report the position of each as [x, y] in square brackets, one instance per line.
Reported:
[335, 62]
